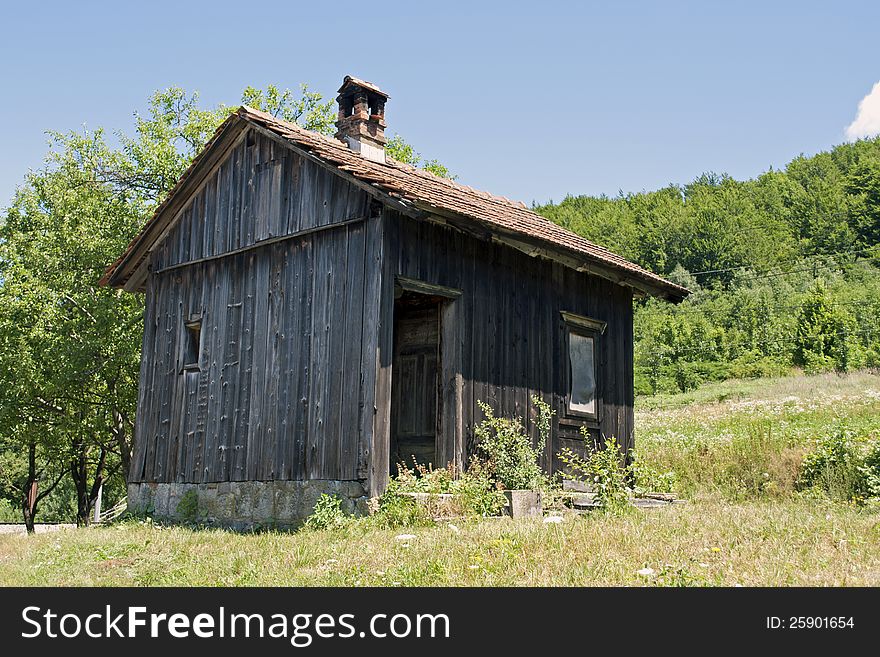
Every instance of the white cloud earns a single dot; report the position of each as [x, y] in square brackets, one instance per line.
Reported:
[867, 121]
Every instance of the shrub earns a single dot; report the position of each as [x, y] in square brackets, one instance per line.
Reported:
[842, 467]
[871, 470]
[328, 514]
[512, 460]
[648, 478]
[395, 510]
[474, 491]
[603, 471]
[188, 507]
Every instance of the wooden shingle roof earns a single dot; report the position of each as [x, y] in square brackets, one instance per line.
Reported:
[424, 194]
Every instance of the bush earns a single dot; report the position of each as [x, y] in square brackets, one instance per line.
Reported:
[328, 514]
[647, 478]
[603, 471]
[512, 461]
[476, 493]
[474, 490]
[394, 510]
[752, 366]
[843, 467]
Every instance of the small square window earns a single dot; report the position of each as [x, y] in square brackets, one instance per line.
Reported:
[192, 344]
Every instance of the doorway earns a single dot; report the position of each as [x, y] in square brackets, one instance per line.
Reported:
[415, 387]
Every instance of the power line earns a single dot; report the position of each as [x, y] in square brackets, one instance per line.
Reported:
[792, 260]
[778, 342]
[694, 310]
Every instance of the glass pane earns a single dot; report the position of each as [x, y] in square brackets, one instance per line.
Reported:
[583, 374]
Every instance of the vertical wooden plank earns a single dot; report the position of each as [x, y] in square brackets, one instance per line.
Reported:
[353, 314]
[245, 347]
[145, 428]
[336, 369]
[377, 352]
[230, 369]
[270, 399]
[449, 447]
[320, 316]
[303, 331]
[258, 347]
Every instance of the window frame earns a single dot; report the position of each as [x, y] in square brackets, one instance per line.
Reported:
[190, 326]
[586, 327]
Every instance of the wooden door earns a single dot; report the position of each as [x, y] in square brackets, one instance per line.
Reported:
[414, 384]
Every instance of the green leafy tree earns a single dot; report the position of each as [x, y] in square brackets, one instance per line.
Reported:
[823, 330]
[400, 150]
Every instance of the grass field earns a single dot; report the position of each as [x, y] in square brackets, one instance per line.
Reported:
[735, 448]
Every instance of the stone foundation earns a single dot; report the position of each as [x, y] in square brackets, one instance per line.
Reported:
[242, 504]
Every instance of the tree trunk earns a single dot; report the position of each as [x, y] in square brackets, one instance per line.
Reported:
[122, 442]
[85, 494]
[29, 492]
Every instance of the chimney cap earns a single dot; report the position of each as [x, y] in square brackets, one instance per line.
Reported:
[351, 81]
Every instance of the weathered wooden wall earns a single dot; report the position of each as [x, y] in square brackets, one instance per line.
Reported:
[288, 340]
[511, 336]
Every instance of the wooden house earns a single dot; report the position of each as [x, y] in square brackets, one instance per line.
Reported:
[316, 312]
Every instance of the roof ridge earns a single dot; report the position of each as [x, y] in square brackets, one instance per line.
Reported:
[418, 186]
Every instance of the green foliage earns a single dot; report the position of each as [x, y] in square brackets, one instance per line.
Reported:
[822, 340]
[648, 478]
[757, 248]
[512, 460]
[474, 490]
[398, 149]
[394, 510]
[328, 514]
[843, 466]
[602, 470]
[188, 506]
[307, 109]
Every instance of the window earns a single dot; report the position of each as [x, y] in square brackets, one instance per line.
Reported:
[582, 395]
[582, 336]
[192, 344]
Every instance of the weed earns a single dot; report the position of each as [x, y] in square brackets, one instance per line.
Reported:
[328, 514]
[512, 460]
[602, 471]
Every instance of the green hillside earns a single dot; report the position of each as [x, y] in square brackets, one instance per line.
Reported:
[783, 268]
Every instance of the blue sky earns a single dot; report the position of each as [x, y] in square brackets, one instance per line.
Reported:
[531, 100]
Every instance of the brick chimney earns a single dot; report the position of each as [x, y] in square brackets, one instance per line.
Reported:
[361, 122]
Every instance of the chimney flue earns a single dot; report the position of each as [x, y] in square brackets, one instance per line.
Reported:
[361, 122]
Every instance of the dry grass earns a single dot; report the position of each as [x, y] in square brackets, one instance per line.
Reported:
[797, 542]
[746, 439]
[735, 446]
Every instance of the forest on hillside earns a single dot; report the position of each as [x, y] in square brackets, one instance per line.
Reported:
[783, 268]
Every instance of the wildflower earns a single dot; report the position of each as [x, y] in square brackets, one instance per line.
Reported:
[716, 550]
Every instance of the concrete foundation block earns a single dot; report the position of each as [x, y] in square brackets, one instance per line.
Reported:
[243, 505]
[523, 504]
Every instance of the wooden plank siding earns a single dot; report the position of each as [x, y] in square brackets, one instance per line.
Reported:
[512, 341]
[280, 391]
[291, 270]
